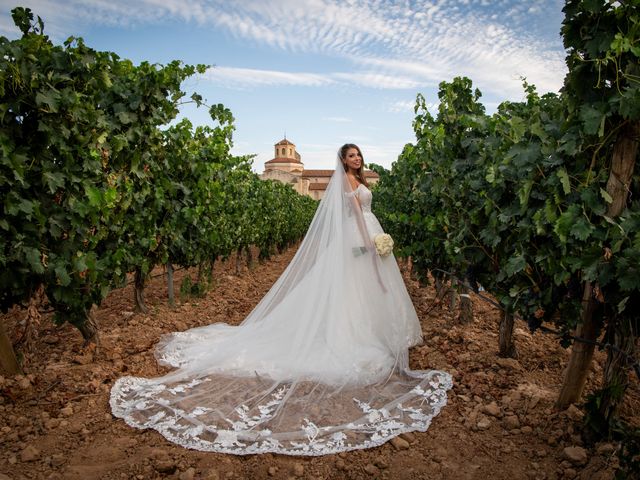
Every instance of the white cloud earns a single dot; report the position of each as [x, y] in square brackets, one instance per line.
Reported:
[402, 106]
[232, 76]
[382, 154]
[429, 73]
[430, 41]
[409, 45]
[377, 80]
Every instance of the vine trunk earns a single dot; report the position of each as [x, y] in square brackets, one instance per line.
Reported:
[138, 293]
[507, 345]
[624, 155]
[8, 361]
[89, 330]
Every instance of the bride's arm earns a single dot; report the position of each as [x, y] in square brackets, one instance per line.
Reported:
[357, 211]
[368, 242]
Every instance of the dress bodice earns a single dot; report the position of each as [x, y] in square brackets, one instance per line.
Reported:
[364, 197]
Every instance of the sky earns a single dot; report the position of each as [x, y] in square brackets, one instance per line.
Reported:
[323, 72]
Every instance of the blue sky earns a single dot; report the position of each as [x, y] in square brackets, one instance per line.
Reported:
[325, 72]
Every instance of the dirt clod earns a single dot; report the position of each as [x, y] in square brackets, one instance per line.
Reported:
[60, 425]
[298, 470]
[576, 455]
[400, 443]
[29, 454]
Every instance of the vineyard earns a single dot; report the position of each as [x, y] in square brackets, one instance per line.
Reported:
[94, 187]
[529, 214]
[538, 203]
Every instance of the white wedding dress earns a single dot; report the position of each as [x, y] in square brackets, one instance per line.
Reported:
[319, 366]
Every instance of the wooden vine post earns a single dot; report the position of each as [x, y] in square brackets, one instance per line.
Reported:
[624, 155]
[507, 345]
[138, 292]
[575, 375]
[466, 307]
[89, 330]
[238, 261]
[249, 256]
[616, 379]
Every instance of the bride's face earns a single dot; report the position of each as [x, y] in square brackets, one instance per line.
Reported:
[353, 159]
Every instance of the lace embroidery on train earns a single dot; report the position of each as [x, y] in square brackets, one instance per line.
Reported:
[319, 366]
[249, 430]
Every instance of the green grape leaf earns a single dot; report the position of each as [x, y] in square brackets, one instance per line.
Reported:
[50, 99]
[564, 180]
[605, 195]
[62, 276]
[94, 195]
[581, 228]
[515, 264]
[592, 119]
[53, 180]
[33, 257]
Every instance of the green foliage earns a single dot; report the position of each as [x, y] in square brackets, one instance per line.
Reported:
[517, 201]
[521, 201]
[93, 185]
[80, 138]
[189, 288]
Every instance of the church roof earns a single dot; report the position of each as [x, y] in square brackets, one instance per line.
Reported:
[284, 141]
[317, 173]
[283, 160]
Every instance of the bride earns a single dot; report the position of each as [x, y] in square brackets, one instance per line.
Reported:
[319, 366]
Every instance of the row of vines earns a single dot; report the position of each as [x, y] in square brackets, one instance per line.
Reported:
[538, 203]
[95, 186]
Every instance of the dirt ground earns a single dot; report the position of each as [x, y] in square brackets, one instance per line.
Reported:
[500, 423]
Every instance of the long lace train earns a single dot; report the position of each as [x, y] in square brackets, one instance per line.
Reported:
[319, 366]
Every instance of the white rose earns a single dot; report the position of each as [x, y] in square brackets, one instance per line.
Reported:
[384, 244]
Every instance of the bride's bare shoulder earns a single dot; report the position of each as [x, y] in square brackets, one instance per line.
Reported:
[353, 181]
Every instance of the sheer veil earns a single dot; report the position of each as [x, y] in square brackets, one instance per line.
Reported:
[319, 366]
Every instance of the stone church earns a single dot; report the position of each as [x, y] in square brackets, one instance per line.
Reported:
[287, 167]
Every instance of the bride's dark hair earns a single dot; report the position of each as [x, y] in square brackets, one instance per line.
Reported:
[342, 154]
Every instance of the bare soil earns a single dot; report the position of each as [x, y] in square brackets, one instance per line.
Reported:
[55, 421]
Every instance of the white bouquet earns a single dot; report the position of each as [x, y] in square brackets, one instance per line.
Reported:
[383, 243]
